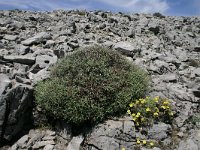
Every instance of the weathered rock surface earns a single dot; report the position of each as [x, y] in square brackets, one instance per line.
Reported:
[113, 135]
[75, 143]
[168, 48]
[20, 59]
[40, 37]
[18, 113]
[192, 142]
[38, 139]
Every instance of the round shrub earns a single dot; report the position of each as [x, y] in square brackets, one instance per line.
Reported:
[90, 85]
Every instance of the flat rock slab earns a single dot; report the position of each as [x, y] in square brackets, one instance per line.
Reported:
[75, 143]
[20, 59]
[112, 135]
[40, 37]
[125, 48]
[48, 147]
[10, 37]
[159, 131]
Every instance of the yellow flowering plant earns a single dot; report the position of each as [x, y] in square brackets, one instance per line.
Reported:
[147, 111]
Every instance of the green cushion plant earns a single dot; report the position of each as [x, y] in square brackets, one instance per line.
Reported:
[90, 85]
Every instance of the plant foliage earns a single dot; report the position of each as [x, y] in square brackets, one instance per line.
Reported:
[90, 85]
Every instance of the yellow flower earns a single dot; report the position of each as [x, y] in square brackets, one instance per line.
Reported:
[131, 104]
[144, 142]
[148, 109]
[138, 115]
[151, 143]
[142, 119]
[138, 141]
[129, 112]
[143, 101]
[137, 124]
[166, 103]
[155, 114]
[133, 114]
[171, 113]
[123, 148]
[156, 99]
[167, 107]
[136, 102]
[163, 107]
[134, 119]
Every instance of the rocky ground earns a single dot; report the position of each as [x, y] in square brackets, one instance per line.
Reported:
[167, 47]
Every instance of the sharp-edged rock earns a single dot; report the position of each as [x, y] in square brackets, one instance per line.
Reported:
[125, 48]
[38, 38]
[20, 59]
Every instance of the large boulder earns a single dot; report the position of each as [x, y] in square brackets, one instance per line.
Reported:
[112, 135]
[4, 82]
[18, 113]
[125, 48]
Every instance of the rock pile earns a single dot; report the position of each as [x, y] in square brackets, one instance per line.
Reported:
[167, 47]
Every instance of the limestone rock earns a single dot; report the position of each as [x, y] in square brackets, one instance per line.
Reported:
[125, 48]
[10, 37]
[38, 38]
[20, 99]
[20, 59]
[75, 143]
[159, 131]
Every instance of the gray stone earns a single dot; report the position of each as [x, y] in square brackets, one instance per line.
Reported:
[196, 72]
[43, 61]
[38, 38]
[10, 37]
[108, 44]
[23, 141]
[125, 48]
[162, 66]
[48, 147]
[22, 80]
[4, 83]
[35, 135]
[75, 143]
[170, 78]
[20, 59]
[19, 70]
[155, 148]
[22, 50]
[187, 145]
[20, 99]
[46, 138]
[181, 54]
[2, 114]
[49, 44]
[14, 147]
[40, 144]
[112, 134]
[159, 131]
[39, 76]
[50, 133]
